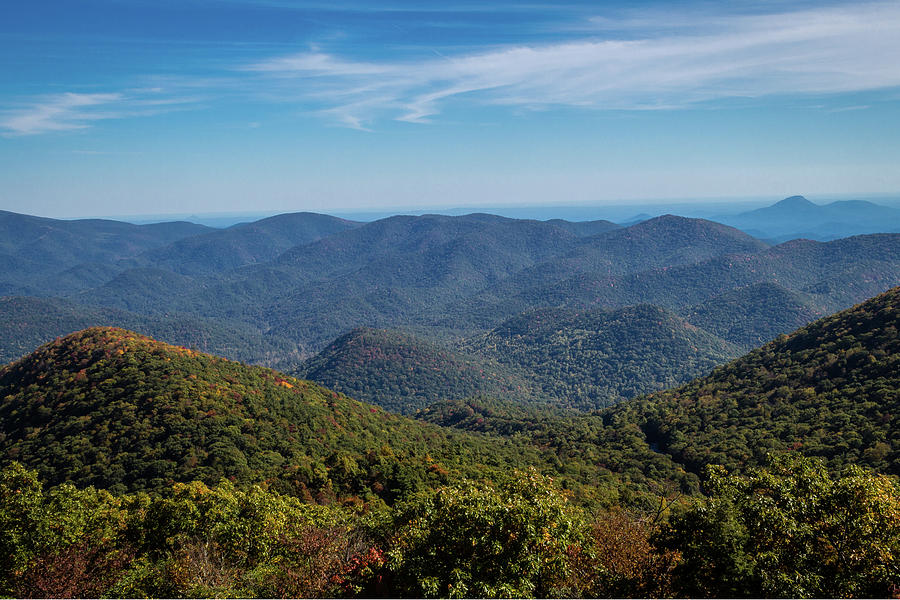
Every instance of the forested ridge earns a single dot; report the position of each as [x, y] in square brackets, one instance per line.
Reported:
[831, 389]
[402, 372]
[311, 278]
[532, 461]
[595, 358]
[289, 499]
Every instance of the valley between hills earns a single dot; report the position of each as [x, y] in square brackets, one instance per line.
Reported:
[471, 406]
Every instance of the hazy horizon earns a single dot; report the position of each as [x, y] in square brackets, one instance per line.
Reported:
[195, 106]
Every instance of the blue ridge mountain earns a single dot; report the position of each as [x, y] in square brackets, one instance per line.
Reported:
[26, 323]
[35, 247]
[243, 244]
[797, 217]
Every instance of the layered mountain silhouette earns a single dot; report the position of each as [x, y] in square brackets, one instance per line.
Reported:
[311, 278]
[829, 389]
[797, 217]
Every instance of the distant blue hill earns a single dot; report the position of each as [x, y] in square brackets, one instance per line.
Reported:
[797, 217]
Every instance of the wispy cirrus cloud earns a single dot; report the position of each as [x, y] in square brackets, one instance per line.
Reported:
[72, 111]
[827, 50]
[58, 112]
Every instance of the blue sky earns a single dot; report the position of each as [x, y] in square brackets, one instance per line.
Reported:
[123, 107]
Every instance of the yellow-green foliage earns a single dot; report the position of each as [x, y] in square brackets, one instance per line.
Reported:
[484, 540]
[790, 530]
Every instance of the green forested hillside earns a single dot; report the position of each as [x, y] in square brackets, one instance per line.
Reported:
[589, 359]
[403, 373]
[753, 315]
[34, 248]
[831, 389]
[606, 449]
[243, 244]
[26, 323]
[109, 408]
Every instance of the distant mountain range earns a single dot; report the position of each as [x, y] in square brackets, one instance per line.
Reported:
[282, 289]
[797, 217]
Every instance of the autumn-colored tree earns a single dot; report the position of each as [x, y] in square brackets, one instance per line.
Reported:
[618, 559]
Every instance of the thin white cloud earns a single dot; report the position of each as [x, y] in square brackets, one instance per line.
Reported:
[828, 50]
[61, 112]
[72, 111]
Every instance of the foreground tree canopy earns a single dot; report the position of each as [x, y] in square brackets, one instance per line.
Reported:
[790, 529]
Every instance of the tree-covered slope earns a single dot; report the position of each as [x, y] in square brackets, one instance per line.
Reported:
[116, 410]
[26, 323]
[838, 274]
[32, 248]
[244, 244]
[402, 372]
[590, 359]
[830, 389]
[608, 449]
[753, 315]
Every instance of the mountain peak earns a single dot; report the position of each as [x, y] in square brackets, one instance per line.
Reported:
[794, 202]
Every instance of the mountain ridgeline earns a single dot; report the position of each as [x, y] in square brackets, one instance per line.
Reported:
[308, 279]
[829, 390]
[112, 409]
[116, 410]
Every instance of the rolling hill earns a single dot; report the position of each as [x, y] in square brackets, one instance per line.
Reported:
[590, 359]
[113, 409]
[830, 389]
[403, 373]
